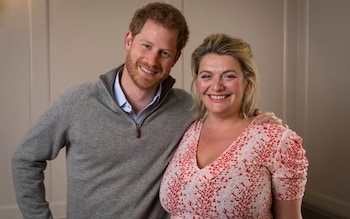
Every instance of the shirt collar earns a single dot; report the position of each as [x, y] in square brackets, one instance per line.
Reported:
[123, 102]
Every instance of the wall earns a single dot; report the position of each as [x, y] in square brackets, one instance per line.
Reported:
[301, 49]
[14, 96]
[326, 105]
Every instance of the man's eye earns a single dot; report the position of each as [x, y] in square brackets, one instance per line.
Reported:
[164, 54]
[146, 46]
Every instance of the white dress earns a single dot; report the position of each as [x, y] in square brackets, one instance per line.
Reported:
[265, 162]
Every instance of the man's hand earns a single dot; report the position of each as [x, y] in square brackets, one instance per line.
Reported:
[264, 117]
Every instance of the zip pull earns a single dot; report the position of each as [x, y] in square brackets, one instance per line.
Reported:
[138, 132]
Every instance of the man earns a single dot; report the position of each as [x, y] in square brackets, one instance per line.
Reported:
[119, 132]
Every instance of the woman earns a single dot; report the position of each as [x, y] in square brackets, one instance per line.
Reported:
[227, 166]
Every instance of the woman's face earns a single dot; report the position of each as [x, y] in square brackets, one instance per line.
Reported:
[221, 84]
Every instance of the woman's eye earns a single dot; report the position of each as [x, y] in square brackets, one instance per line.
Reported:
[229, 76]
[204, 76]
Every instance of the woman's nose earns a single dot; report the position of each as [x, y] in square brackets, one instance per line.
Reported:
[218, 85]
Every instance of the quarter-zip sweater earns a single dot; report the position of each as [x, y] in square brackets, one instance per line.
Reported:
[111, 172]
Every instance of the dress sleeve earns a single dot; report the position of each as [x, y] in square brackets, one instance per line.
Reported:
[289, 169]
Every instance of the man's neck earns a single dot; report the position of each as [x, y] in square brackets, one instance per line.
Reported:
[137, 97]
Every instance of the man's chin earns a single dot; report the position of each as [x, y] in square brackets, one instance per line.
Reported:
[147, 85]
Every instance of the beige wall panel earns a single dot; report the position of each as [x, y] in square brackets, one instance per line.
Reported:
[328, 106]
[14, 94]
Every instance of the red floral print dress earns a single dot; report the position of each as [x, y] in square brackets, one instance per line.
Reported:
[265, 162]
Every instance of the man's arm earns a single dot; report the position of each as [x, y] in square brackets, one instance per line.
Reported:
[28, 178]
[43, 142]
[264, 117]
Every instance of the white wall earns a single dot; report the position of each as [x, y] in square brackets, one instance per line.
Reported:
[301, 49]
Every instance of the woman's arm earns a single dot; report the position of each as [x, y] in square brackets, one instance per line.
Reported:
[287, 209]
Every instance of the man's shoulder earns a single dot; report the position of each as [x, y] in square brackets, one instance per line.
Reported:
[182, 93]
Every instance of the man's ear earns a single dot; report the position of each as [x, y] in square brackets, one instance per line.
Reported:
[176, 58]
[128, 40]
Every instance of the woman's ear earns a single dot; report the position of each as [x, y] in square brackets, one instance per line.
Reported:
[248, 84]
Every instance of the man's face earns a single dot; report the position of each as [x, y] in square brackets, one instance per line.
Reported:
[151, 54]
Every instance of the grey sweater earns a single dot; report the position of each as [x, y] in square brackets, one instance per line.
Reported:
[111, 173]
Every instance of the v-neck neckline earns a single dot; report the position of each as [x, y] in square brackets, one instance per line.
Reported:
[220, 157]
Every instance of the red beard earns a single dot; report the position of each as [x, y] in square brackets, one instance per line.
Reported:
[141, 81]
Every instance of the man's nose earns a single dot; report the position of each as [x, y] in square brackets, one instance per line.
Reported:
[153, 58]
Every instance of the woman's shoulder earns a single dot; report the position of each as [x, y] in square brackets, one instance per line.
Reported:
[194, 127]
[278, 137]
[272, 130]
[269, 127]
